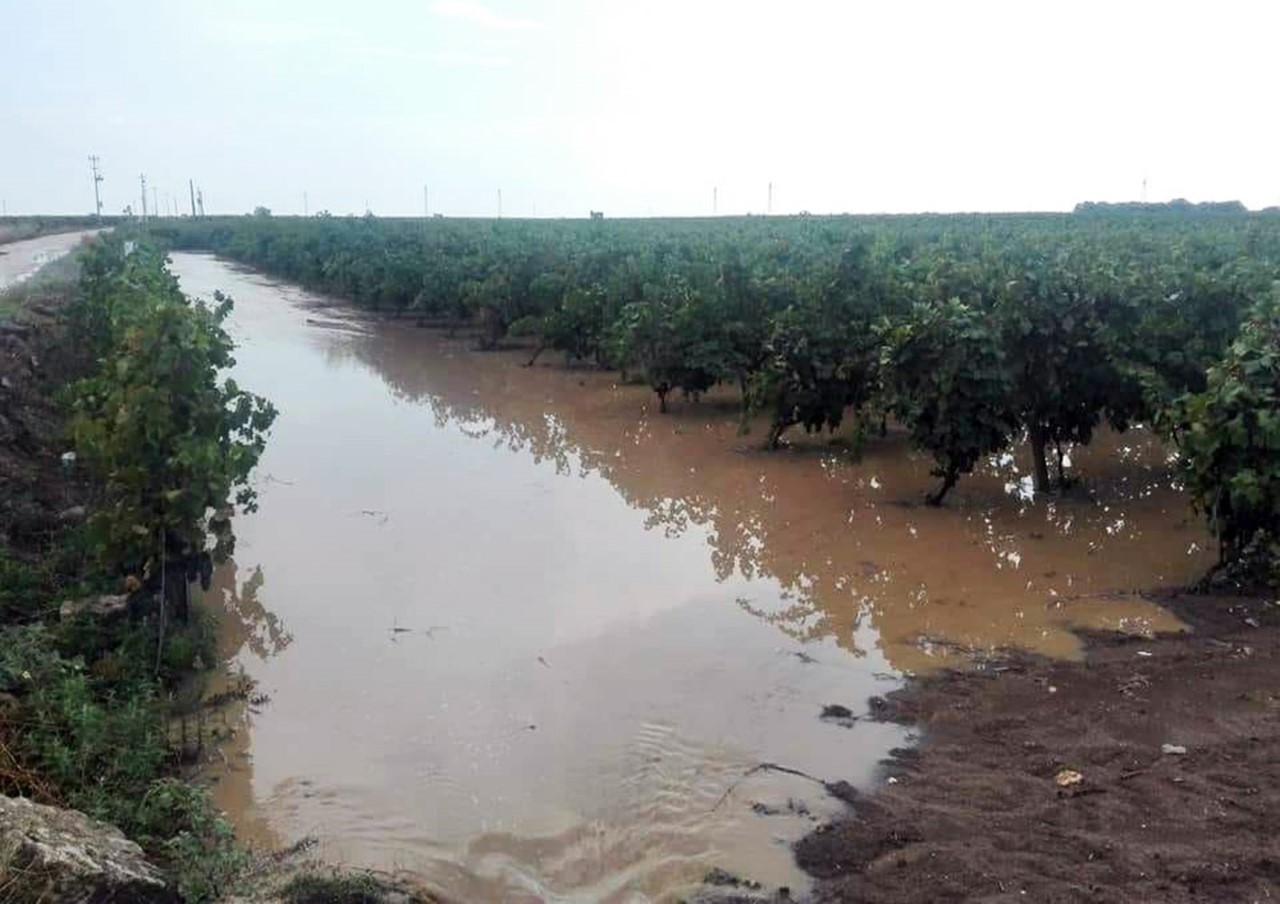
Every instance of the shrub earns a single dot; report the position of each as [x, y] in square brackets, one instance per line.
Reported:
[1229, 439]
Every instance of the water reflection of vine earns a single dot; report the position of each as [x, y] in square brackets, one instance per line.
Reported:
[244, 624]
[738, 537]
[247, 624]
[843, 540]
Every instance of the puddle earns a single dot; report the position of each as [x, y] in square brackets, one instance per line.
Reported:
[20, 260]
[521, 633]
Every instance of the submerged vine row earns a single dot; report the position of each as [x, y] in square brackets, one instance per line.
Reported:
[974, 332]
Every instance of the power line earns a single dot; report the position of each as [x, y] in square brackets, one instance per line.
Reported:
[97, 179]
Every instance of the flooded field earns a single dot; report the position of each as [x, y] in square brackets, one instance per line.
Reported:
[19, 261]
[523, 636]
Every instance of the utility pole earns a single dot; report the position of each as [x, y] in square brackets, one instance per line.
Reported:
[200, 202]
[155, 201]
[97, 179]
[143, 180]
[715, 201]
[499, 204]
[769, 208]
[191, 185]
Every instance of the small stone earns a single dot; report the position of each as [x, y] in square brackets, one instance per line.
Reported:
[106, 605]
[1068, 778]
[1172, 749]
[73, 514]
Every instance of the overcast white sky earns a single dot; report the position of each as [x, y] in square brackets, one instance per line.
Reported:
[638, 107]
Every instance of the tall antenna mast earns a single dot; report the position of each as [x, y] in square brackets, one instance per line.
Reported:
[97, 178]
[142, 179]
[191, 185]
[200, 201]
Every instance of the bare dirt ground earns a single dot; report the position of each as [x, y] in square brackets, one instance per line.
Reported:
[1148, 772]
[32, 490]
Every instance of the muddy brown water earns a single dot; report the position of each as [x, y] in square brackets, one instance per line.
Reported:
[19, 261]
[523, 636]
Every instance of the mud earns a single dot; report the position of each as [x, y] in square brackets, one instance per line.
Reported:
[1175, 739]
[542, 637]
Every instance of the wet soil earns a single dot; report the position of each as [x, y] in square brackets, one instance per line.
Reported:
[977, 812]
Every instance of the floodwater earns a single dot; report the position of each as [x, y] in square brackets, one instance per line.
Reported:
[523, 637]
[19, 261]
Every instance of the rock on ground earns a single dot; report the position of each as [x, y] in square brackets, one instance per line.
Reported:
[49, 854]
[103, 606]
